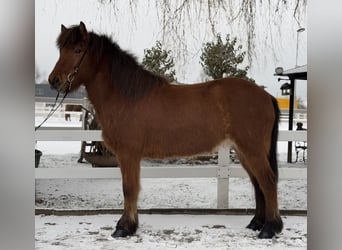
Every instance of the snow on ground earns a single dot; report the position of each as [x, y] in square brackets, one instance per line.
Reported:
[161, 232]
[155, 192]
[156, 231]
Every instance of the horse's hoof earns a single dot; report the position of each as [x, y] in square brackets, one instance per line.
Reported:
[120, 233]
[255, 225]
[266, 232]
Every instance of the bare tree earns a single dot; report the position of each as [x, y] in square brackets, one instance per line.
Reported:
[177, 16]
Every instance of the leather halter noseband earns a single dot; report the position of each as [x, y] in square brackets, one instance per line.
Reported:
[71, 75]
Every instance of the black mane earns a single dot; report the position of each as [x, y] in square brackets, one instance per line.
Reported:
[128, 76]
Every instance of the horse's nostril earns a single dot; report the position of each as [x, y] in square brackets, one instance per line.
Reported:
[54, 81]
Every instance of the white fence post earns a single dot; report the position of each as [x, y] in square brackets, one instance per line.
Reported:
[223, 178]
[86, 105]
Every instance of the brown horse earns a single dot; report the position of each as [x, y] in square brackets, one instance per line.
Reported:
[72, 107]
[142, 115]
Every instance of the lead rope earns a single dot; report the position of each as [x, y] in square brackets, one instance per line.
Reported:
[53, 110]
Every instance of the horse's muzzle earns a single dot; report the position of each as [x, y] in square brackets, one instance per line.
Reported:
[55, 82]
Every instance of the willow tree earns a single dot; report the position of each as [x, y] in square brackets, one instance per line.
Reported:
[179, 16]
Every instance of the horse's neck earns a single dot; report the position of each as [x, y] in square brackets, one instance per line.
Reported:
[101, 93]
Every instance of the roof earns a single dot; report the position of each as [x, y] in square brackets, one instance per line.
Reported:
[299, 72]
[44, 90]
[296, 70]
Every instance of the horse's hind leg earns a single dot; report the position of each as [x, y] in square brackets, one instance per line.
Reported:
[273, 223]
[130, 171]
[267, 181]
[259, 218]
[267, 217]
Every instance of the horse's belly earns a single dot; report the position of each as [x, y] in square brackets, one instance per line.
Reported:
[188, 142]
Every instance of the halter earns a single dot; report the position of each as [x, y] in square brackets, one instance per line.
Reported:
[71, 75]
[70, 79]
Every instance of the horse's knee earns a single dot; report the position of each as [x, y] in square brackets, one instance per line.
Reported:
[131, 189]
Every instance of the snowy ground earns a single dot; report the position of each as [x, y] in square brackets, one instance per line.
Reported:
[155, 193]
[156, 231]
[163, 232]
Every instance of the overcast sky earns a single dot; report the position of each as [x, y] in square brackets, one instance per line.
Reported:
[138, 32]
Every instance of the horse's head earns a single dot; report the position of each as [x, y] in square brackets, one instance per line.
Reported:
[72, 67]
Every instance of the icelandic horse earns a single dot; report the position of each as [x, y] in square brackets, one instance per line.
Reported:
[72, 107]
[142, 115]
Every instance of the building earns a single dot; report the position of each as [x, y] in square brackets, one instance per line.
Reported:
[45, 90]
[284, 103]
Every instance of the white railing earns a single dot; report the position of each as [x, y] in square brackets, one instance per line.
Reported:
[299, 115]
[42, 110]
[224, 170]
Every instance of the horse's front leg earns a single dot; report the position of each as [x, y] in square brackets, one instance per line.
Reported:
[130, 171]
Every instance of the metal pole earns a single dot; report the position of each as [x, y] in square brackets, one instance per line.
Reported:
[297, 51]
[298, 31]
[291, 108]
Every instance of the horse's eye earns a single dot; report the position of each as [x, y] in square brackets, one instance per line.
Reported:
[77, 50]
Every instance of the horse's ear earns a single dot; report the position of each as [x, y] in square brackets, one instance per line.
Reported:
[84, 31]
[63, 28]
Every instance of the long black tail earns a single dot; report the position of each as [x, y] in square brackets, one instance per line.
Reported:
[272, 157]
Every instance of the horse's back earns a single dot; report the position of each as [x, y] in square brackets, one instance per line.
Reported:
[234, 96]
[190, 119]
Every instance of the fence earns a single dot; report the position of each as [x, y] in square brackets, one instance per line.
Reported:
[223, 171]
[44, 104]
[299, 115]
